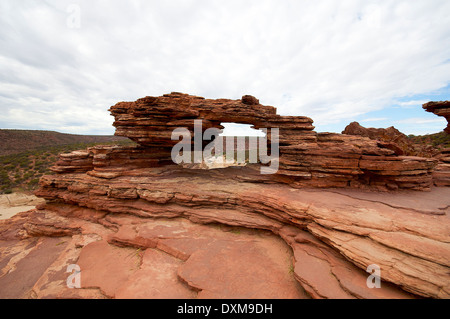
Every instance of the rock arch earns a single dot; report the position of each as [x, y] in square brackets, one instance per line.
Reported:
[307, 158]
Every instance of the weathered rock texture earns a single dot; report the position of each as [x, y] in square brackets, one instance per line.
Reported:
[159, 227]
[441, 174]
[120, 227]
[441, 108]
[306, 157]
[391, 138]
[398, 142]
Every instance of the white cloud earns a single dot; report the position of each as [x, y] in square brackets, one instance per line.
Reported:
[330, 60]
[411, 104]
[233, 129]
[420, 120]
[420, 125]
[374, 119]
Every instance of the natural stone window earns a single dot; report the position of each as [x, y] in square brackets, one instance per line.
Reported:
[237, 145]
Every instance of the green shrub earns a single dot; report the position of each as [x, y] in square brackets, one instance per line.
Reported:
[4, 178]
[24, 163]
[28, 175]
[42, 169]
[34, 182]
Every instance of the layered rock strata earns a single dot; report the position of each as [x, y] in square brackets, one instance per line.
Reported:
[390, 138]
[441, 174]
[306, 157]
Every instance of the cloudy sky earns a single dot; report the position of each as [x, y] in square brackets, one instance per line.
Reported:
[64, 63]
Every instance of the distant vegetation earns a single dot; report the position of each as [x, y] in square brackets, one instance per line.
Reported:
[18, 141]
[439, 140]
[21, 170]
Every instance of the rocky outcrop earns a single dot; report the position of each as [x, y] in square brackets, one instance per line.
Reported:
[150, 121]
[306, 157]
[171, 231]
[441, 174]
[398, 142]
[441, 108]
[390, 138]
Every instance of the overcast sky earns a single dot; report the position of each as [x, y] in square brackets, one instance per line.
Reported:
[64, 63]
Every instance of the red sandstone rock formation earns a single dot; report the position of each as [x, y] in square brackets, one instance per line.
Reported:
[398, 142]
[441, 109]
[306, 157]
[390, 138]
[441, 174]
[120, 208]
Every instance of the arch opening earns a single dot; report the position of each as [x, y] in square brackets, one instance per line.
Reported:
[235, 129]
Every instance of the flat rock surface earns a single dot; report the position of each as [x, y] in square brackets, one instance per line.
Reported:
[12, 204]
[19, 199]
[26, 265]
[8, 212]
[242, 269]
[435, 202]
[151, 258]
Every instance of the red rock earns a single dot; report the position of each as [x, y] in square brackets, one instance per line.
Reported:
[441, 174]
[26, 265]
[155, 279]
[239, 270]
[105, 267]
[306, 159]
[420, 241]
[441, 108]
[205, 199]
[390, 138]
[250, 100]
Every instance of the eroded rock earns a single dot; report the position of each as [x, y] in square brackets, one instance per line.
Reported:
[441, 108]
[140, 226]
